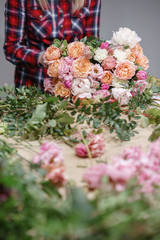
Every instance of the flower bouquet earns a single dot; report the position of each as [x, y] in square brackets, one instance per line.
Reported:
[93, 69]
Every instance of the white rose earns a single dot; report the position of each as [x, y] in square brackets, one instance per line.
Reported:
[120, 55]
[121, 95]
[100, 54]
[125, 37]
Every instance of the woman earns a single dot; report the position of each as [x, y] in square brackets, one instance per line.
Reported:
[32, 25]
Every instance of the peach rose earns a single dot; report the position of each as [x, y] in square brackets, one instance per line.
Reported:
[76, 49]
[81, 67]
[52, 53]
[107, 78]
[125, 70]
[131, 56]
[53, 69]
[138, 50]
[142, 61]
[61, 90]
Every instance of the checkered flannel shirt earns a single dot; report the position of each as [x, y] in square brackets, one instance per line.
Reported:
[29, 31]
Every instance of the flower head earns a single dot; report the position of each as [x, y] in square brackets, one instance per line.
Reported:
[109, 63]
[52, 53]
[97, 72]
[61, 90]
[107, 77]
[76, 49]
[81, 67]
[125, 70]
[100, 54]
[125, 37]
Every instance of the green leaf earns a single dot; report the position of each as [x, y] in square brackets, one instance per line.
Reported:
[52, 123]
[65, 118]
[39, 114]
[63, 104]
[155, 134]
[52, 99]
[144, 121]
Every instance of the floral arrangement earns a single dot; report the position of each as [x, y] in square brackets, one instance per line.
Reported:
[92, 69]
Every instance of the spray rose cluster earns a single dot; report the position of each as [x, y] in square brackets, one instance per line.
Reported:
[132, 163]
[51, 159]
[83, 70]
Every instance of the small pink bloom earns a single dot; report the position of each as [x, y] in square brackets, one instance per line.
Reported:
[97, 145]
[81, 150]
[141, 75]
[109, 63]
[154, 153]
[104, 45]
[97, 72]
[93, 176]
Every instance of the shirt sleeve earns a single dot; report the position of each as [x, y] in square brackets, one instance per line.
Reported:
[15, 32]
[93, 20]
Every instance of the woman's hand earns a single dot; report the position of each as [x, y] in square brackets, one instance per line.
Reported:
[41, 60]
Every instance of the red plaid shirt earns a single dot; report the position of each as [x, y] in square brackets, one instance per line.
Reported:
[29, 31]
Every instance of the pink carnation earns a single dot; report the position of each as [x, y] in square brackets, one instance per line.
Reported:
[81, 150]
[97, 72]
[48, 85]
[97, 145]
[104, 45]
[49, 153]
[93, 176]
[141, 75]
[109, 63]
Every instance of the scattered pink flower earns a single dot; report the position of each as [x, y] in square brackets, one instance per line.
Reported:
[49, 153]
[81, 150]
[57, 176]
[93, 176]
[97, 145]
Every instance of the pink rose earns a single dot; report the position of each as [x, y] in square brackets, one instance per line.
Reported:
[109, 63]
[104, 45]
[81, 150]
[141, 75]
